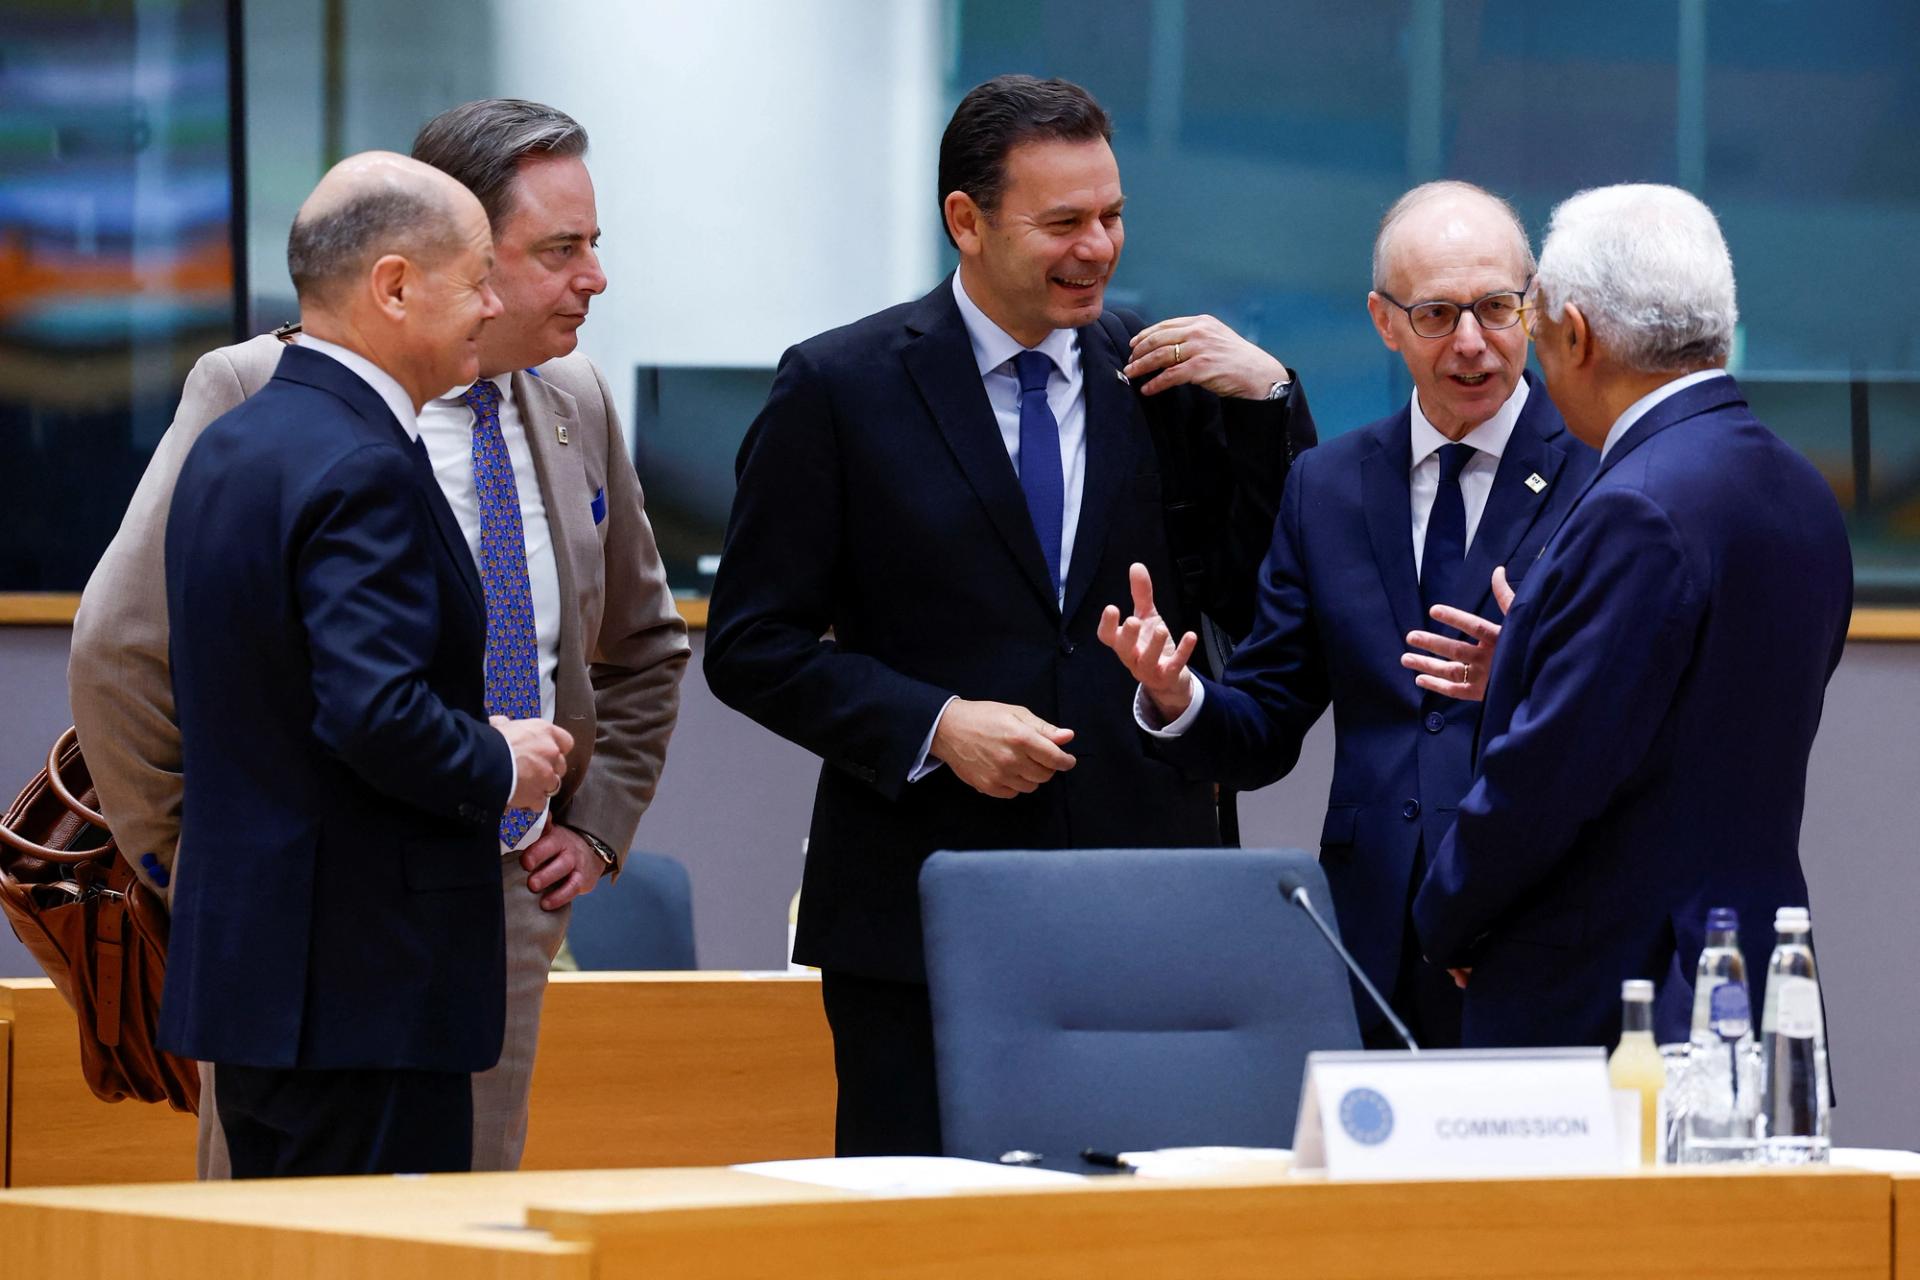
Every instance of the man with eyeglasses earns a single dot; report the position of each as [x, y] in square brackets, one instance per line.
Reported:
[1377, 527]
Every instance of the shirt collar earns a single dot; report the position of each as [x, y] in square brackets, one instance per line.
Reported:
[383, 383]
[1490, 437]
[994, 346]
[1639, 408]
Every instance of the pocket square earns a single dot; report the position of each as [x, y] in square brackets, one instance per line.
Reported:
[599, 505]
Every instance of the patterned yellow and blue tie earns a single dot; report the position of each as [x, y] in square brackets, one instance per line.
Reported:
[513, 653]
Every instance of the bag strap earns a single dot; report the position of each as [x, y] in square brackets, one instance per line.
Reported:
[63, 755]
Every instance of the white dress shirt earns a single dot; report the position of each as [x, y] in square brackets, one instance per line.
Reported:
[1638, 409]
[993, 352]
[1489, 441]
[446, 428]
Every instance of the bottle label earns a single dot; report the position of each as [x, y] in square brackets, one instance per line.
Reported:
[1798, 1011]
[1730, 1014]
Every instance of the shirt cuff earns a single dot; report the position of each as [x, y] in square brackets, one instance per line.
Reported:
[924, 766]
[1148, 718]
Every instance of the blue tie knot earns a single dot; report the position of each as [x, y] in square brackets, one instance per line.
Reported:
[1033, 368]
[1453, 460]
[483, 397]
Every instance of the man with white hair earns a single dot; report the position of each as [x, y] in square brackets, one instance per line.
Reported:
[1658, 684]
[1472, 472]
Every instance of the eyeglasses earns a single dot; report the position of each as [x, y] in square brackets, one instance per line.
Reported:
[1439, 318]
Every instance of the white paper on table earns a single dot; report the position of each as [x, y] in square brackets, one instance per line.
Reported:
[1202, 1162]
[1876, 1159]
[908, 1175]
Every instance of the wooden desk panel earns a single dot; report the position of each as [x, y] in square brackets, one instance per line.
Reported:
[666, 1069]
[633, 1069]
[58, 1132]
[1906, 1226]
[719, 1223]
[1760, 1224]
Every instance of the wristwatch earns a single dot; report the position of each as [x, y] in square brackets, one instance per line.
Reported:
[599, 846]
[1278, 391]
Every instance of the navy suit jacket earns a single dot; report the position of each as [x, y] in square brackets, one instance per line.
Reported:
[1338, 594]
[1647, 726]
[337, 903]
[877, 503]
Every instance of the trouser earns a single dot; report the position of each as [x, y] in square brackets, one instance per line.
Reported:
[295, 1123]
[500, 1094]
[883, 1058]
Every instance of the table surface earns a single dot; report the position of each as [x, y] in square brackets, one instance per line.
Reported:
[719, 1222]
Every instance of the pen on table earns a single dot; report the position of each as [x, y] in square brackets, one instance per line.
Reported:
[1107, 1160]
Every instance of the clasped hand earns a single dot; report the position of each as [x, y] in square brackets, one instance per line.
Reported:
[539, 759]
[999, 749]
[1201, 351]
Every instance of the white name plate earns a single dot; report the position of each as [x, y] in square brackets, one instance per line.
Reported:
[1448, 1112]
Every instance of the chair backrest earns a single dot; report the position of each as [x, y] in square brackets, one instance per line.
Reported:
[644, 920]
[1125, 999]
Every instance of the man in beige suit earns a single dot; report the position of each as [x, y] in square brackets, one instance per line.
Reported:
[611, 644]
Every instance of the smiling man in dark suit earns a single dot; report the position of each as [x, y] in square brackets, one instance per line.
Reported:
[337, 946]
[931, 507]
[1378, 526]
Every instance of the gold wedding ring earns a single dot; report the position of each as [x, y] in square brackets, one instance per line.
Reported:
[1178, 355]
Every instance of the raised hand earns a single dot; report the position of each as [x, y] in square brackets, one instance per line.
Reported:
[999, 749]
[1204, 352]
[1458, 668]
[539, 759]
[1147, 650]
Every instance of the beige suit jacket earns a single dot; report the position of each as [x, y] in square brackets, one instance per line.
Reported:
[623, 646]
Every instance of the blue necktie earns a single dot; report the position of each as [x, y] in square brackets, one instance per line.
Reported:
[1040, 478]
[513, 653]
[1443, 560]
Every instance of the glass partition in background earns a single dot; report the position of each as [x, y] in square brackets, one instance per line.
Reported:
[117, 264]
[1260, 142]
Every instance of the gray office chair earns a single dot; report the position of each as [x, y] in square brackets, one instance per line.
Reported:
[644, 920]
[1125, 999]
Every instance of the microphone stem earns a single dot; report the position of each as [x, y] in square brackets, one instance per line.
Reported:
[1299, 899]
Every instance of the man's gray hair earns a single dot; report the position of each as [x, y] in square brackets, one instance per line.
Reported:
[1406, 204]
[481, 144]
[327, 252]
[1649, 269]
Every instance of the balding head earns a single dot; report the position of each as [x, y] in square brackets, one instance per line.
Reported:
[1446, 210]
[392, 259]
[366, 207]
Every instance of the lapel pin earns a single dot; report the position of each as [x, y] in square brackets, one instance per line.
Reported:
[1534, 482]
[562, 433]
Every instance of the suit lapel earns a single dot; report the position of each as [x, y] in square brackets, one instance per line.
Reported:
[1386, 497]
[1512, 504]
[544, 411]
[1111, 407]
[940, 360]
[317, 370]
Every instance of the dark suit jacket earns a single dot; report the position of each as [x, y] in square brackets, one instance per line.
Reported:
[1646, 732]
[339, 903]
[876, 501]
[1338, 594]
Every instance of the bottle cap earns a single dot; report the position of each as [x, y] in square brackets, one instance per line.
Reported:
[1792, 920]
[1723, 918]
[1638, 990]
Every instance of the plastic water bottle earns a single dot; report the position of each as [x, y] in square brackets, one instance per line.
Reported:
[1722, 1121]
[1793, 1038]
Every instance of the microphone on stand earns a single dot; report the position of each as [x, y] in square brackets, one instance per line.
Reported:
[1296, 893]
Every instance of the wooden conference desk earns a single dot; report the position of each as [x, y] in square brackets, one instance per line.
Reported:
[720, 1223]
[634, 1069]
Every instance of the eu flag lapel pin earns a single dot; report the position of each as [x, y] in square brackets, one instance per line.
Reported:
[561, 431]
[1534, 482]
